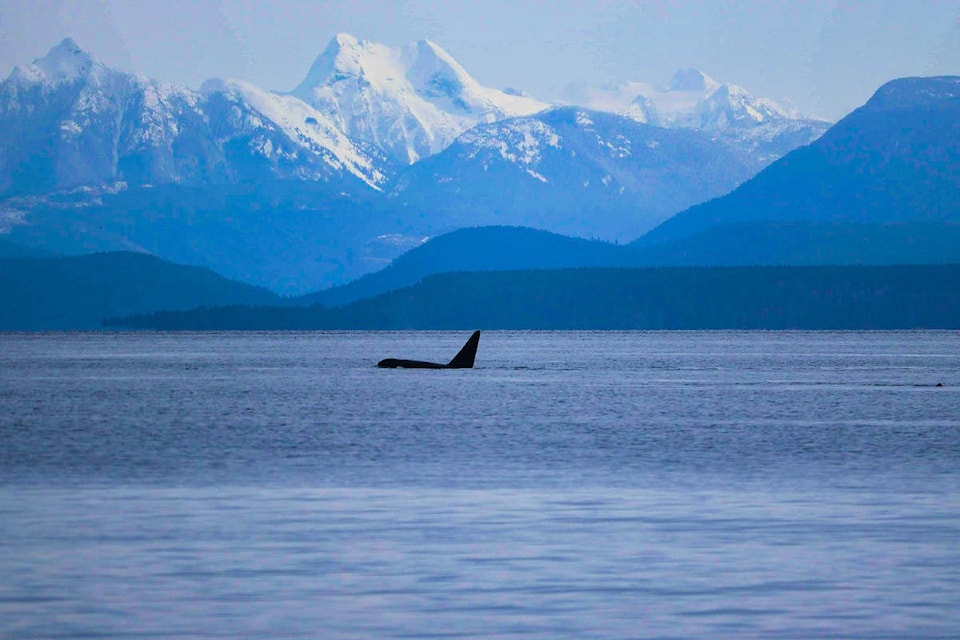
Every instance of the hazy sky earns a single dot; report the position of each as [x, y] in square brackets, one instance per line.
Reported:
[825, 56]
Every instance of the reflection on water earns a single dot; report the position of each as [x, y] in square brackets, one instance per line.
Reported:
[581, 485]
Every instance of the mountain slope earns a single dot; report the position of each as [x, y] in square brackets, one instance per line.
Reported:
[292, 237]
[570, 171]
[292, 139]
[410, 102]
[78, 292]
[893, 161]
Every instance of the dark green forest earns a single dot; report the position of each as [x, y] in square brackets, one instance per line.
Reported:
[74, 293]
[850, 297]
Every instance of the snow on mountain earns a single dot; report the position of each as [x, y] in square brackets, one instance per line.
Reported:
[411, 102]
[690, 100]
[64, 63]
[386, 143]
[694, 100]
[573, 171]
[69, 120]
[63, 118]
[307, 130]
[362, 108]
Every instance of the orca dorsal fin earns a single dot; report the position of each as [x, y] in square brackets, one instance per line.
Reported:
[464, 359]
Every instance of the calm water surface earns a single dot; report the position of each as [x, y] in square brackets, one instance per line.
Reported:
[573, 485]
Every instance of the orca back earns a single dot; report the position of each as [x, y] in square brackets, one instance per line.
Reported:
[463, 360]
[394, 363]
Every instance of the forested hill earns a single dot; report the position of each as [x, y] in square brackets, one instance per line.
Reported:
[72, 293]
[851, 297]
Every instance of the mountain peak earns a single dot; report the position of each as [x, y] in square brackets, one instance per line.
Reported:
[338, 44]
[408, 101]
[691, 80]
[66, 61]
[346, 56]
[68, 45]
[430, 49]
[344, 40]
[433, 72]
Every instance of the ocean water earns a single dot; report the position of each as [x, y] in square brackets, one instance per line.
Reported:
[572, 485]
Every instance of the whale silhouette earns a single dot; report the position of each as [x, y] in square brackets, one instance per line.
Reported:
[463, 360]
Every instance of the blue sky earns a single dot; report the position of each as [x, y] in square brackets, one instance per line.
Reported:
[825, 56]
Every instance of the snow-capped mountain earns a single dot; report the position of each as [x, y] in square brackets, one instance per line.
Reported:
[694, 100]
[69, 120]
[573, 171]
[411, 102]
[376, 148]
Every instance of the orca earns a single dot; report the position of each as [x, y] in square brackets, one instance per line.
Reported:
[463, 360]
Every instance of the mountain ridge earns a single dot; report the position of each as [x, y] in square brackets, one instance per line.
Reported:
[572, 171]
[119, 161]
[362, 108]
[693, 100]
[72, 121]
[887, 162]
